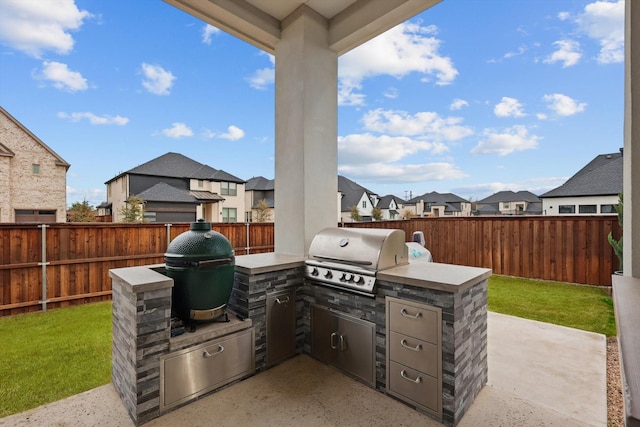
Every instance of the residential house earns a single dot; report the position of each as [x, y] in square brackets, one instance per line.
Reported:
[176, 188]
[391, 207]
[436, 205]
[593, 190]
[257, 190]
[510, 203]
[33, 177]
[352, 194]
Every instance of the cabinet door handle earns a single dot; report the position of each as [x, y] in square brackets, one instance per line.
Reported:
[404, 375]
[403, 343]
[405, 313]
[343, 343]
[332, 341]
[283, 300]
[206, 354]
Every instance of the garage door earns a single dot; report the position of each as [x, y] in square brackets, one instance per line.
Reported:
[35, 215]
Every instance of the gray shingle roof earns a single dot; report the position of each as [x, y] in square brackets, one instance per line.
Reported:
[510, 196]
[162, 192]
[437, 199]
[176, 165]
[351, 193]
[385, 201]
[602, 176]
[259, 183]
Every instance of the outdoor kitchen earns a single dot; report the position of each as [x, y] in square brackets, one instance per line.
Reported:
[360, 302]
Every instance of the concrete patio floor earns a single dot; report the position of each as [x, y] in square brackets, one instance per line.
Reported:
[539, 375]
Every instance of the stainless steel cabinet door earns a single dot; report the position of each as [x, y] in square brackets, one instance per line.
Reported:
[281, 326]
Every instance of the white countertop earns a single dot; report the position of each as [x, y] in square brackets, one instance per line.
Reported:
[266, 262]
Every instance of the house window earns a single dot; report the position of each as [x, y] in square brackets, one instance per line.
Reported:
[588, 209]
[36, 168]
[248, 217]
[228, 189]
[229, 215]
[200, 183]
[608, 209]
[364, 204]
[149, 216]
[506, 205]
[567, 209]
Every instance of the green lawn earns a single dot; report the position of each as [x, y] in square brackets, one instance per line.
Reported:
[580, 307]
[46, 357]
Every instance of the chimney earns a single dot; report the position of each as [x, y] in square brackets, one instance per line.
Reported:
[622, 151]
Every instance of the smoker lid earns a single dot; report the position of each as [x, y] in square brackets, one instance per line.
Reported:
[369, 248]
[198, 244]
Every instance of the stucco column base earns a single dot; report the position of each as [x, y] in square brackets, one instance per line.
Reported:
[306, 132]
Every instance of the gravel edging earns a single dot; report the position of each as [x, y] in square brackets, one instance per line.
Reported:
[615, 402]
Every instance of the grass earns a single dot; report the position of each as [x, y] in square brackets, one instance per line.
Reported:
[46, 357]
[581, 307]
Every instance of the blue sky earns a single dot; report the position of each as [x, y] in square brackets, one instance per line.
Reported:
[470, 97]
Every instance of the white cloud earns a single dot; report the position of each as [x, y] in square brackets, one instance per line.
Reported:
[404, 49]
[208, 134]
[398, 173]
[156, 79]
[94, 119]
[234, 133]
[391, 93]
[542, 116]
[563, 105]
[62, 77]
[37, 26]
[604, 22]
[536, 186]
[508, 141]
[427, 124]
[520, 51]
[207, 32]
[568, 53]
[177, 130]
[457, 104]
[363, 149]
[94, 196]
[563, 16]
[508, 107]
[265, 76]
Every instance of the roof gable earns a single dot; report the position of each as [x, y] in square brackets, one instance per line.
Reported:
[510, 196]
[7, 152]
[435, 198]
[352, 193]
[259, 183]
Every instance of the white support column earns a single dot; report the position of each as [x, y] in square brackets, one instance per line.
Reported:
[306, 132]
[631, 226]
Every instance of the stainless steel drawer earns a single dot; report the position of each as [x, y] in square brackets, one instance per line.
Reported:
[415, 320]
[415, 353]
[191, 372]
[415, 387]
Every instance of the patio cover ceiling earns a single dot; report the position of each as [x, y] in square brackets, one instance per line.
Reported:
[259, 22]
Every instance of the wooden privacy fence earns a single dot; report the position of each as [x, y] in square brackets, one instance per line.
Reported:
[70, 263]
[74, 266]
[567, 249]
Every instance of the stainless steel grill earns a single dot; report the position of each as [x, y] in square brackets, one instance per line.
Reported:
[348, 259]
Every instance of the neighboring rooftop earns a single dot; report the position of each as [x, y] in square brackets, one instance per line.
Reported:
[259, 183]
[510, 196]
[351, 193]
[602, 176]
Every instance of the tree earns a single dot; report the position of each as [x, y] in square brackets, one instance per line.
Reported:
[81, 212]
[133, 210]
[262, 211]
[617, 244]
[376, 213]
[355, 214]
[407, 213]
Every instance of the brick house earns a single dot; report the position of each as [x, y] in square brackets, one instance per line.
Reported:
[33, 177]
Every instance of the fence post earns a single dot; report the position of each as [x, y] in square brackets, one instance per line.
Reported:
[168, 234]
[248, 245]
[44, 264]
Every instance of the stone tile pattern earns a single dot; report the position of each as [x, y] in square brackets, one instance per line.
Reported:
[249, 299]
[141, 333]
[464, 341]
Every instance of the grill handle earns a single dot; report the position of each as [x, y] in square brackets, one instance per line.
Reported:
[211, 262]
[405, 313]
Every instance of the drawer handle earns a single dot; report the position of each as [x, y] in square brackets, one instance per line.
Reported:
[283, 300]
[403, 343]
[206, 354]
[404, 375]
[332, 340]
[405, 313]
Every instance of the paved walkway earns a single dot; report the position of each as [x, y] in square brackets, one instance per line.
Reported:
[539, 375]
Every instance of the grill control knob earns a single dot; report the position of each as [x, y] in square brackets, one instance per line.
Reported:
[328, 274]
[348, 277]
[314, 272]
[359, 280]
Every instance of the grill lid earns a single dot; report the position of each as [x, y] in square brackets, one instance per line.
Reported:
[369, 249]
[198, 244]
